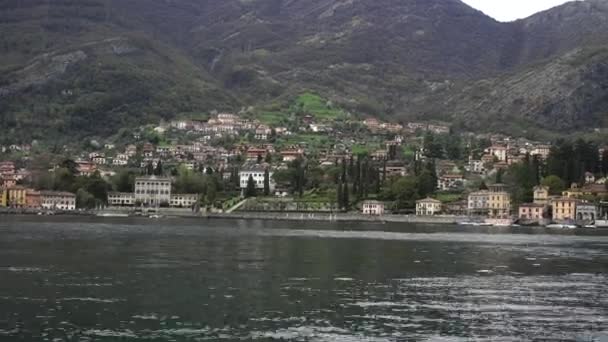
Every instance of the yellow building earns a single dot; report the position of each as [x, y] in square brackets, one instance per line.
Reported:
[17, 197]
[564, 208]
[573, 192]
[499, 202]
[3, 195]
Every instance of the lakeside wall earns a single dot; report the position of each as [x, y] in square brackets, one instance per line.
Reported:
[341, 217]
[292, 216]
[289, 216]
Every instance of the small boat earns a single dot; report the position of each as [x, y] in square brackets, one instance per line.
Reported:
[113, 215]
[467, 223]
[499, 222]
[155, 216]
[562, 226]
[590, 226]
[601, 223]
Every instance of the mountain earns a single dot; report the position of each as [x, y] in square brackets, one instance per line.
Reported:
[94, 67]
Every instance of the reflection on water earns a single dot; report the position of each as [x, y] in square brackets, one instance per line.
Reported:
[237, 280]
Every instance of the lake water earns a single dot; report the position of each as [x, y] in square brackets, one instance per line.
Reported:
[178, 280]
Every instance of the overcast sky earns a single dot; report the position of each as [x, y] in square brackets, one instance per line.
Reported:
[509, 10]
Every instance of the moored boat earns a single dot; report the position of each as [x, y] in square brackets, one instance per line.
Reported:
[562, 226]
[113, 215]
[499, 222]
[601, 223]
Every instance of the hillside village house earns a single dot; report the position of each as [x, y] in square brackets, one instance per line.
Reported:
[256, 171]
[291, 155]
[131, 150]
[395, 168]
[488, 159]
[541, 151]
[372, 124]
[564, 208]
[575, 191]
[500, 152]
[373, 208]
[9, 181]
[428, 207]
[152, 190]
[121, 159]
[262, 132]
[7, 168]
[476, 166]
[255, 153]
[99, 160]
[541, 195]
[85, 168]
[57, 200]
[450, 181]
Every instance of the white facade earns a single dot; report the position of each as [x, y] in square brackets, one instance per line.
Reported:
[55, 200]
[373, 208]
[500, 152]
[479, 202]
[541, 151]
[449, 182]
[99, 160]
[184, 200]
[121, 199]
[121, 159]
[476, 166]
[257, 173]
[153, 190]
[428, 207]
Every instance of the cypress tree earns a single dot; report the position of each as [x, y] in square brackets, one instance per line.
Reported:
[499, 174]
[384, 171]
[150, 169]
[250, 191]
[345, 196]
[159, 169]
[266, 183]
[339, 196]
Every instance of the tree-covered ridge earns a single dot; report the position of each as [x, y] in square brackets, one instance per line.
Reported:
[86, 68]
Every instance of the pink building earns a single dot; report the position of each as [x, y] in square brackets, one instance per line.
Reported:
[531, 211]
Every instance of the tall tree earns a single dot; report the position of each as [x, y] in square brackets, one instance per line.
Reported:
[250, 190]
[211, 191]
[266, 183]
[339, 196]
[158, 171]
[345, 196]
[70, 165]
[499, 175]
[605, 163]
[555, 184]
[432, 147]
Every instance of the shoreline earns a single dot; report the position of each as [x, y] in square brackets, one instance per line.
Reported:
[175, 213]
[270, 216]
